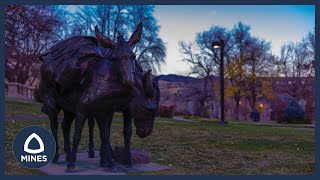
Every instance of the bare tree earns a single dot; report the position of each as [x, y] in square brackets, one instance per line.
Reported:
[257, 67]
[309, 42]
[29, 31]
[297, 65]
[151, 51]
[114, 19]
[203, 59]
[238, 56]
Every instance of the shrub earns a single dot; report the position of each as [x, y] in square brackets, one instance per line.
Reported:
[255, 116]
[294, 113]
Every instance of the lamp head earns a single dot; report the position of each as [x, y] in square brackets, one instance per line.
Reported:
[217, 44]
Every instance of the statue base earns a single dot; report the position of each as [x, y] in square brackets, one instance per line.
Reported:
[91, 166]
[138, 156]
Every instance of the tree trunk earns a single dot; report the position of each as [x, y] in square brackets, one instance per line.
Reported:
[108, 17]
[254, 100]
[237, 110]
[205, 103]
[115, 30]
[254, 84]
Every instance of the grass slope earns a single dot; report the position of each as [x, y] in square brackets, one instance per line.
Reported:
[196, 148]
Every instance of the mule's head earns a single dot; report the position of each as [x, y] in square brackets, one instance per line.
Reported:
[145, 105]
[122, 54]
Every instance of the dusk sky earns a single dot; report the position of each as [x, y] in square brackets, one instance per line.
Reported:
[276, 23]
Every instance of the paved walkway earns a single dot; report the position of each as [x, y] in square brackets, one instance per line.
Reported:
[279, 125]
[180, 119]
[266, 123]
[183, 119]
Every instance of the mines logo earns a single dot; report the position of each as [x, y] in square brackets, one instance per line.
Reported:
[34, 147]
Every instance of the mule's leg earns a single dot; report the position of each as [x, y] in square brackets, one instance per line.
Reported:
[127, 132]
[104, 123]
[66, 128]
[79, 123]
[91, 143]
[52, 110]
[110, 146]
[54, 130]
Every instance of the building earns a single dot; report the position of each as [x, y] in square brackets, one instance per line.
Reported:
[184, 93]
[198, 97]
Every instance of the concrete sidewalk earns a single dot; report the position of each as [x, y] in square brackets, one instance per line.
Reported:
[183, 119]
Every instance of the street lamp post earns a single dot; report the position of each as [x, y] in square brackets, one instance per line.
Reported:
[216, 45]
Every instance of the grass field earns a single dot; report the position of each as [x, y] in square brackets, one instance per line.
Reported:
[201, 148]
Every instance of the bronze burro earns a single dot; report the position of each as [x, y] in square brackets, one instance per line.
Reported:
[85, 80]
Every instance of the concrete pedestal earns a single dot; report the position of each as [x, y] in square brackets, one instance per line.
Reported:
[90, 166]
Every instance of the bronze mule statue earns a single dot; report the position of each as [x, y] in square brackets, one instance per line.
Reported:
[76, 78]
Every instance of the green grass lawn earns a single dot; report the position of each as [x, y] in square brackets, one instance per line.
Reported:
[196, 148]
[17, 108]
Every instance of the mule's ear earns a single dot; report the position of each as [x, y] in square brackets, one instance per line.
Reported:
[136, 35]
[148, 84]
[103, 40]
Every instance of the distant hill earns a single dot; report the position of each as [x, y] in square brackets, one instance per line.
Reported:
[176, 78]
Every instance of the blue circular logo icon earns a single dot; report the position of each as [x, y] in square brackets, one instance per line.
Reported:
[34, 147]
